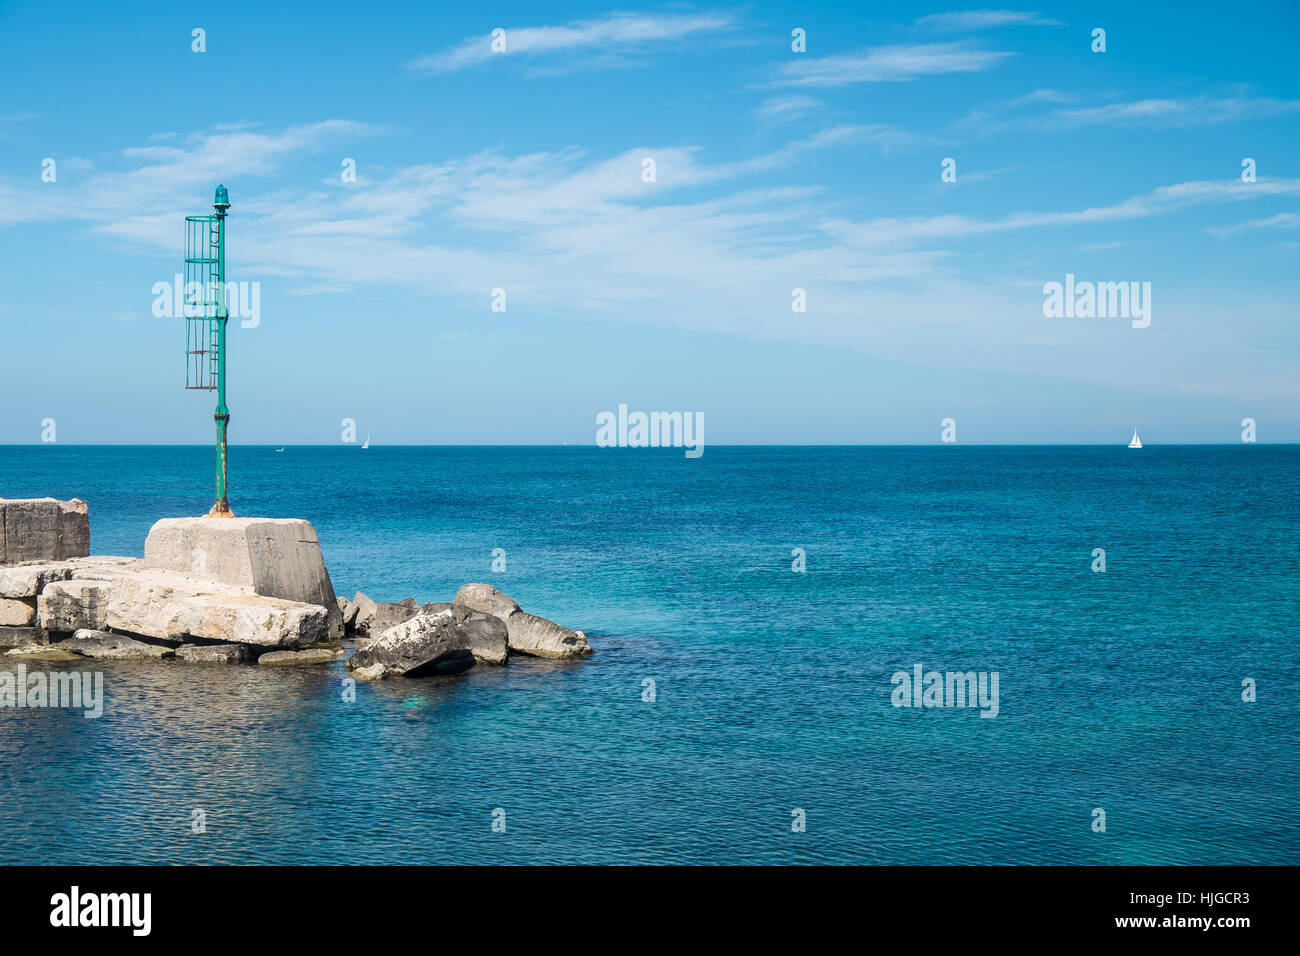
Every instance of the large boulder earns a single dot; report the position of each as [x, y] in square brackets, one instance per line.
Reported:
[486, 598]
[349, 612]
[366, 607]
[528, 633]
[105, 646]
[486, 633]
[29, 580]
[426, 644]
[43, 529]
[173, 607]
[73, 605]
[538, 637]
[17, 612]
[272, 557]
[375, 617]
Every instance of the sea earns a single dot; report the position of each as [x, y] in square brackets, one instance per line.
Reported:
[751, 613]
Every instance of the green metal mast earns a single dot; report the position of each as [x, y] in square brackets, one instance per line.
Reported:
[206, 315]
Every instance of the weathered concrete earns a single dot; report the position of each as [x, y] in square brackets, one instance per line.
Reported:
[426, 644]
[43, 529]
[105, 646]
[73, 605]
[314, 655]
[17, 612]
[528, 633]
[212, 653]
[273, 557]
[22, 636]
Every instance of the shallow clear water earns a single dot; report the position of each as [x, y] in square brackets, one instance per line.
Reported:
[1119, 690]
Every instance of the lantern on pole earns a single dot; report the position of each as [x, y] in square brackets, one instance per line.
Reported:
[206, 314]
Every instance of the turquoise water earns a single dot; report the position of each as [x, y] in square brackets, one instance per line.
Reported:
[1118, 690]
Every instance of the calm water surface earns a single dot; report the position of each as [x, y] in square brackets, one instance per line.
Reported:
[1119, 690]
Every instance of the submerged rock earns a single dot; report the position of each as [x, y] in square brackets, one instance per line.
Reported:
[436, 643]
[102, 645]
[527, 633]
[42, 652]
[316, 655]
[212, 653]
[373, 672]
[22, 636]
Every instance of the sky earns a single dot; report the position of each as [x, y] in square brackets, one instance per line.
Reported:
[774, 170]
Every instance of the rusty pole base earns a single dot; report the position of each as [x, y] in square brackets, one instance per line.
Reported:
[221, 510]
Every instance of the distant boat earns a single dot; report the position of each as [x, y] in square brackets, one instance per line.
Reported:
[366, 443]
[278, 450]
[1136, 442]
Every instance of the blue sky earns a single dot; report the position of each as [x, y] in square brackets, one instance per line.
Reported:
[775, 170]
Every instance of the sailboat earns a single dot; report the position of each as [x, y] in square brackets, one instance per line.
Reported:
[1136, 442]
[366, 443]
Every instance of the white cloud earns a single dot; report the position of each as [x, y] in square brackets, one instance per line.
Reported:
[592, 40]
[887, 64]
[982, 19]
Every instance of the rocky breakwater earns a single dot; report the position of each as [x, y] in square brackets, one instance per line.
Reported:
[482, 625]
[235, 591]
[231, 589]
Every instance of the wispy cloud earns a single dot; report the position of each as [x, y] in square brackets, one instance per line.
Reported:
[593, 42]
[1191, 111]
[887, 64]
[1283, 220]
[780, 109]
[1165, 199]
[575, 235]
[982, 19]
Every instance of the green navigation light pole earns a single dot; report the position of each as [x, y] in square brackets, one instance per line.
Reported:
[206, 315]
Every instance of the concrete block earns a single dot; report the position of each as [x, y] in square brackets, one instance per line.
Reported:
[275, 557]
[43, 529]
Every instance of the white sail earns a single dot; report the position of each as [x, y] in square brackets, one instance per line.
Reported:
[1136, 442]
[366, 443]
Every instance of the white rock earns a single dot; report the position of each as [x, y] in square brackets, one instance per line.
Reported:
[72, 605]
[17, 612]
